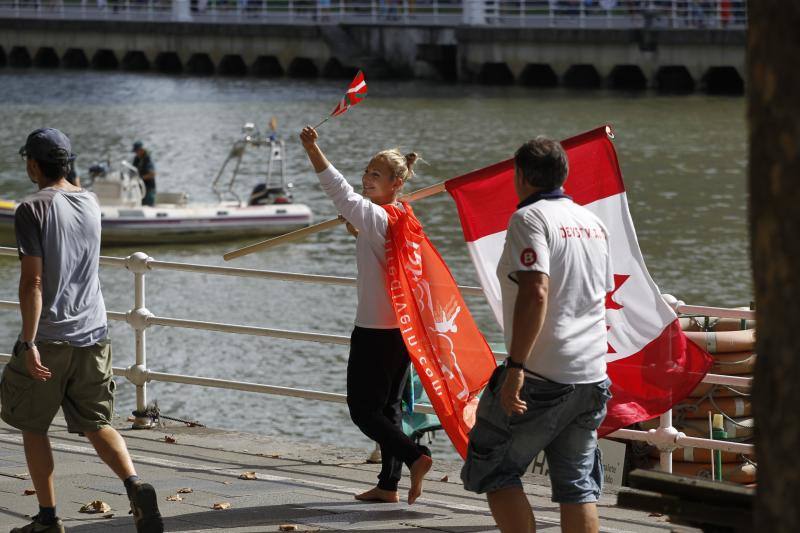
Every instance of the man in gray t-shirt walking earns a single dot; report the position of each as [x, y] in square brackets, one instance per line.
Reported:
[63, 356]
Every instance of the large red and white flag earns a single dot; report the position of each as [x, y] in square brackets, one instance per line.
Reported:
[651, 363]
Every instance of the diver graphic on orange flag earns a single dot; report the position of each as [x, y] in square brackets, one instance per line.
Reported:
[450, 355]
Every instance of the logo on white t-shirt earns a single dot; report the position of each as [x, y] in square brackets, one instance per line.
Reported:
[527, 257]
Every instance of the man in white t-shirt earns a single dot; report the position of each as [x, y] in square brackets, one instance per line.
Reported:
[551, 394]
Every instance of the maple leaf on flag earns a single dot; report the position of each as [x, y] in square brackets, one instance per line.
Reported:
[356, 91]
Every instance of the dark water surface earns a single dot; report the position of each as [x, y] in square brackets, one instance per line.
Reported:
[683, 158]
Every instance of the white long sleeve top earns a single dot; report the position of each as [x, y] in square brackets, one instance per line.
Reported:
[374, 307]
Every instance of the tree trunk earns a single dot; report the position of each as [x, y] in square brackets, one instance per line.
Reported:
[774, 183]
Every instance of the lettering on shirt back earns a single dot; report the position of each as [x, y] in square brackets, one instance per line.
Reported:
[580, 232]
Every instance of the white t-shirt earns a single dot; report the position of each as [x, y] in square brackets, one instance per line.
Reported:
[570, 244]
[374, 307]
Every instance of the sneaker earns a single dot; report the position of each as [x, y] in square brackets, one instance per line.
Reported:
[144, 507]
[38, 527]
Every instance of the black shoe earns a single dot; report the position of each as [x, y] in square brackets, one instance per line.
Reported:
[38, 527]
[144, 507]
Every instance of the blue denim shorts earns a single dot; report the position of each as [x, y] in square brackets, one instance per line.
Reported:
[561, 419]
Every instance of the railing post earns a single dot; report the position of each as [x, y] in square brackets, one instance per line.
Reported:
[665, 422]
[674, 13]
[137, 319]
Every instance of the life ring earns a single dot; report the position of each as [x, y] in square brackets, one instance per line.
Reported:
[734, 407]
[711, 323]
[742, 473]
[697, 455]
[724, 341]
[734, 363]
[719, 391]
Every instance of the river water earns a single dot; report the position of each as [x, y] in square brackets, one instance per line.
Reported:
[683, 159]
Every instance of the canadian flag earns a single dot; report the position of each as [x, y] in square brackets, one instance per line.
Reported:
[651, 363]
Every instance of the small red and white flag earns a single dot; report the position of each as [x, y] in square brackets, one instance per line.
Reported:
[651, 363]
[356, 91]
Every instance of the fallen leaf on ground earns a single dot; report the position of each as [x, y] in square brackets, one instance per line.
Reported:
[655, 514]
[247, 475]
[29, 492]
[175, 498]
[170, 439]
[185, 490]
[226, 482]
[445, 478]
[97, 506]
[287, 527]
[221, 506]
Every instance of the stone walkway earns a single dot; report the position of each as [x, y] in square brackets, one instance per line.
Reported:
[299, 484]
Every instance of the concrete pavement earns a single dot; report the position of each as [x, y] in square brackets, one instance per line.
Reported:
[302, 484]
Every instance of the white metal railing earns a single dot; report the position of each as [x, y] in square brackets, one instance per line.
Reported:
[666, 438]
[598, 14]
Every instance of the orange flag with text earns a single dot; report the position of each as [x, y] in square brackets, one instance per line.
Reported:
[451, 357]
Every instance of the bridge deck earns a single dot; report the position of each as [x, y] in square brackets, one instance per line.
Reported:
[301, 484]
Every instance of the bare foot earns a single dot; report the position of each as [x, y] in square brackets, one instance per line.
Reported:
[418, 471]
[379, 495]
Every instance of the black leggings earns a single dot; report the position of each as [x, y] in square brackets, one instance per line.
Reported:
[377, 372]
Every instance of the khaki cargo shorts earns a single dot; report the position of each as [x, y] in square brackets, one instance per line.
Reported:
[81, 384]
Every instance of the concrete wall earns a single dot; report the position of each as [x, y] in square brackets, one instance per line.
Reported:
[605, 50]
[669, 60]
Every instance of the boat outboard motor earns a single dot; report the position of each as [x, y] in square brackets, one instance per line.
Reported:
[263, 195]
[97, 170]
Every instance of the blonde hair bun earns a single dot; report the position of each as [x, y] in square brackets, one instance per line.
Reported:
[411, 158]
[402, 165]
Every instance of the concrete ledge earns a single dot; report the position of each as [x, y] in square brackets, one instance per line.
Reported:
[602, 37]
[174, 28]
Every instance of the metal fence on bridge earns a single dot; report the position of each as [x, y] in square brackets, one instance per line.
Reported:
[567, 14]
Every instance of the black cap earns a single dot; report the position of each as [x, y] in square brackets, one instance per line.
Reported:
[137, 146]
[48, 145]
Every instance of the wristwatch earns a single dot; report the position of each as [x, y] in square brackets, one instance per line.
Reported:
[513, 364]
[27, 345]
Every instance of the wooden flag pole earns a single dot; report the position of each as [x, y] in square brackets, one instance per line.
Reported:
[322, 226]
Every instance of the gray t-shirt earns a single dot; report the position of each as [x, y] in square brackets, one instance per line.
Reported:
[63, 228]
